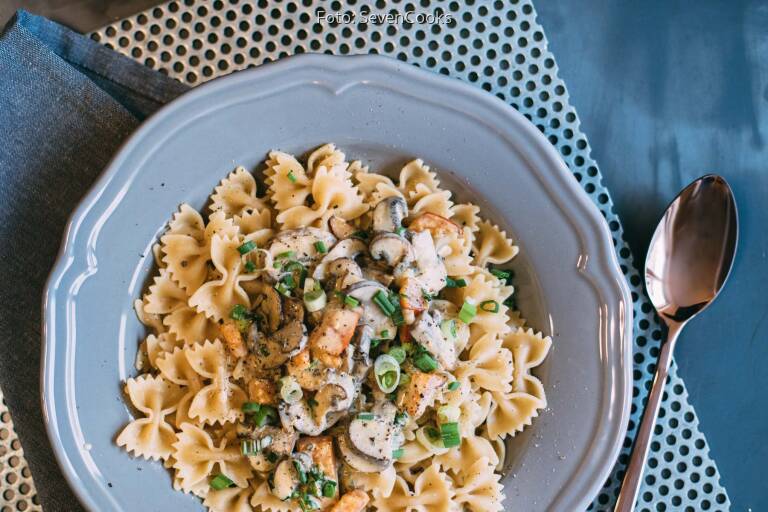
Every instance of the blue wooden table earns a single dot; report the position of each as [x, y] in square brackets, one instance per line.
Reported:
[668, 91]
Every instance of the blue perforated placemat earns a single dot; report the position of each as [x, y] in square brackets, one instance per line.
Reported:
[498, 46]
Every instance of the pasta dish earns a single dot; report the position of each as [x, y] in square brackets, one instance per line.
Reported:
[343, 341]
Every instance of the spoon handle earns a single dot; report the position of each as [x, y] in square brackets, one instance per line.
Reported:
[633, 477]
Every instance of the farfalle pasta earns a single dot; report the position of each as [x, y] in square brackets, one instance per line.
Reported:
[347, 341]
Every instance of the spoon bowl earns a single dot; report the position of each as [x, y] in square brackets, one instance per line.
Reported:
[688, 262]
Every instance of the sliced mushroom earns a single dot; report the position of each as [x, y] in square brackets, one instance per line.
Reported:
[299, 416]
[349, 248]
[389, 214]
[431, 270]
[285, 480]
[346, 271]
[270, 307]
[340, 228]
[392, 248]
[274, 350]
[381, 324]
[293, 310]
[292, 338]
[335, 396]
[360, 360]
[357, 461]
[301, 242]
[426, 330]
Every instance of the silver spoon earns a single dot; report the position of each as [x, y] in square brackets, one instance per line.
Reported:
[688, 261]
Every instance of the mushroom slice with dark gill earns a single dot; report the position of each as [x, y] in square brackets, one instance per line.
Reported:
[275, 349]
[367, 443]
[340, 228]
[392, 248]
[389, 213]
[335, 396]
[349, 248]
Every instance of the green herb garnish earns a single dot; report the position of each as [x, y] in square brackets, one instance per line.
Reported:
[246, 247]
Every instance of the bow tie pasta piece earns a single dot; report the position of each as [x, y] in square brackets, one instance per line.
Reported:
[488, 366]
[372, 186]
[432, 492]
[175, 367]
[478, 488]
[381, 483]
[165, 295]
[415, 173]
[217, 297]
[423, 200]
[157, 346]
[268, 502]
[256, 226]
[150, 437]
[287, 181]
[187, 221]
[482, 287]
[154, 322]
[221, 400]
[455, 249]
[466, 215]
[233, 499]
[472, 448]
[196, 457]
[332, 195]
[492, 245]
[327, 156]
[511, 412]
[473, 406]
[187, 255]
[236, 195]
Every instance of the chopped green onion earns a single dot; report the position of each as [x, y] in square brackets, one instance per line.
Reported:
[248, 447]
[239, 312]
[375, 342]
[298, 273]
[404, 379]
[221, 481]
[300, 471]
[251, 407]
[501, 274]
[289, 282]
[425, 362]
[291, 176]
[247, 247]
[448, 414]
[455, 283]
[468, 311]
[396, 454]
[450, 434]
[490, 306]
[250, 266]
[397, 317]
[398, 353]
[286, 254]
[265, 414]
[382, 300]
[351, 301]
[387, 372]
[290, 391]
[432, 433]
[315, 300]
[366, 416]
[448, 328]
[329, 489]
[408, 347]
[401, 418]
[320, 247]
[400, 231]
[385, 333]
[453, 386]
[283, 289]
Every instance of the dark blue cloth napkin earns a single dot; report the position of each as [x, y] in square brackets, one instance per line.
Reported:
[66, 105]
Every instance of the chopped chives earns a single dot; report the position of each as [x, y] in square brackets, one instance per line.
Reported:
[501, 274]
[401, 418]
[365, 416]
[381, 300]
[351, 301]
[450, 434]
[286, 254]
[320, 247]
[455, 283]
[404, 379]
[398, 353]
[221, 481]
[400, 231]
[289, 282]
[490, 306]
[251, 407]
[396, 454]
[283, 289]
[385, 333]
[432, 433]
[265, 414]
[247, 247]
[425, 362]
[300, 471]
[467, 312]
[453, 386]
[291, 176]
[329, 489]
[250, 266]
[239, 312]
[397, 317]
